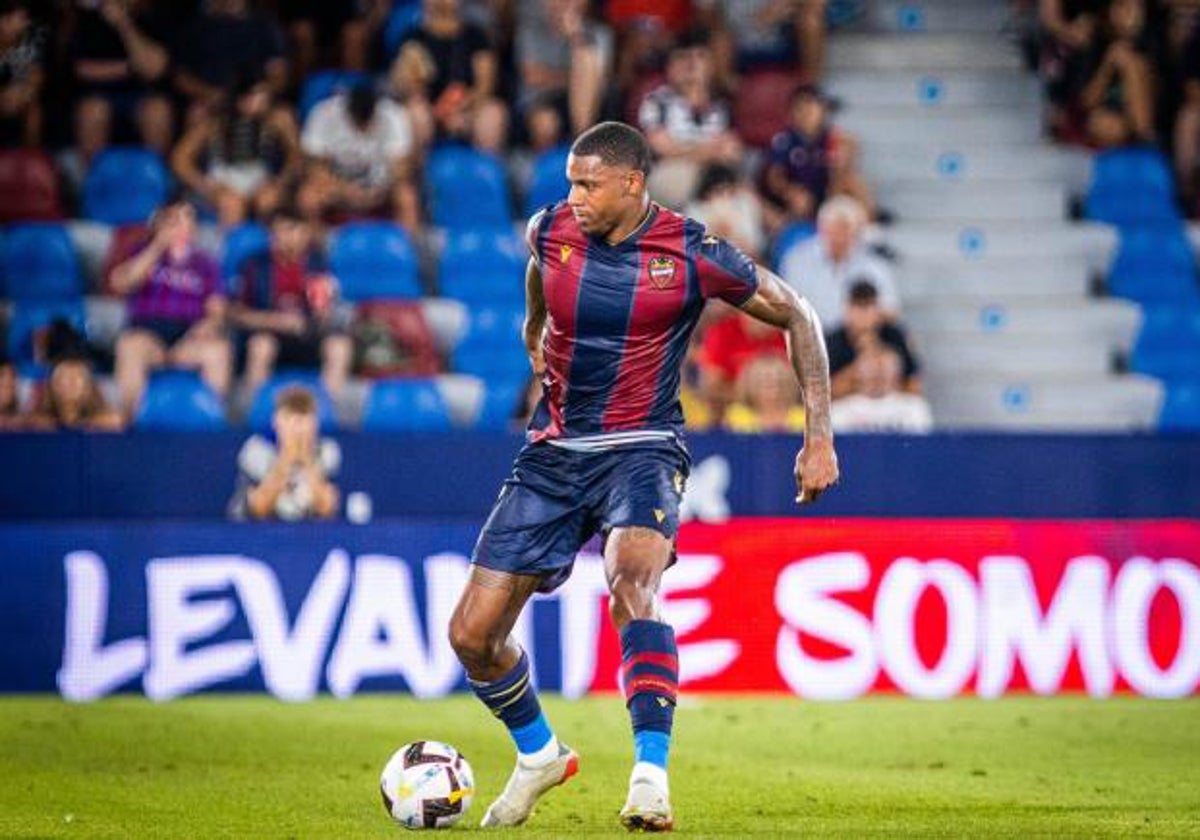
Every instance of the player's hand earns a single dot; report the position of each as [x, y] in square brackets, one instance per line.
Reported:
[816, 470]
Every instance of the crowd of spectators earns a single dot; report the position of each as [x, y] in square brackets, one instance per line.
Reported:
[220, 89]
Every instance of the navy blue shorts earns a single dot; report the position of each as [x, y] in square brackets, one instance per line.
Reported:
[557, 499]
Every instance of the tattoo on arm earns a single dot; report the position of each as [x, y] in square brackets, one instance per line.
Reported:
[535, 308]
[776, 303]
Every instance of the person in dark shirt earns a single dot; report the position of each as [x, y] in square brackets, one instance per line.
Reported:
[227, 39]
[866, 331]
[22, 55]
[284, 306]
[1187, 126]
[461, 87]
[120, 66]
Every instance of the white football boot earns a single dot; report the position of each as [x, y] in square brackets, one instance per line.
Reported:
[526, 785]
[648, 807]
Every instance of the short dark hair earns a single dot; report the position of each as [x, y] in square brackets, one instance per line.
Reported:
[863, 293]
[692, 37]
[615, 143]
[296, 399]
[360, 103]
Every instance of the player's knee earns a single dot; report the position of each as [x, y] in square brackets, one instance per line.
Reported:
[632, 597]
[476, 647]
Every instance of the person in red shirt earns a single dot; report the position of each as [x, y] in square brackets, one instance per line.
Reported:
[728, 346]
[285, 306]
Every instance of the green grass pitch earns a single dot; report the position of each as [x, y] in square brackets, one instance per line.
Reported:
[245, 766]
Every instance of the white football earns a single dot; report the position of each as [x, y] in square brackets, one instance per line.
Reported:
[427, 784]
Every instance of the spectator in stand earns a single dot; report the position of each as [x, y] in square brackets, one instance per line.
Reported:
[288, 479]
[767, 33]
[561, 56]
[1119, 96]
[824, 267]
[728, 346]
[812, 159]
[22, 56]
[176, 308]
[72, 400]
[322, 32]
[686, 123]
[866, 331]
[361, 152]
[1069, 33]
[730, 208]
[1187, 125]
[768, 398]
[243, 162]
[645, 30]
[10, 398]
[462, 86]
[285, 307]
[120, 65]
[227, 40]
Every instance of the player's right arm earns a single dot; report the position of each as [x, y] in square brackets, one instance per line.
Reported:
[535, 317]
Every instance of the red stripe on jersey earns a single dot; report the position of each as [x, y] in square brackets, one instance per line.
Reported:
[563, 257]
[657, 301]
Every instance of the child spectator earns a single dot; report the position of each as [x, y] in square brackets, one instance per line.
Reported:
[686, 124]
[290, 478]
[176, 308]
[120, 63]
[768, 398]
[1119, 96]
[812, 159]
[561, 56]
[865, 331]
[72, 400]
[285, 306]
[878, 404]
[730, 208]
[462, 86]
[729, 345]
[1069, 32]
[823, 267]
[243, 162]
[22, 55]
[361, 151]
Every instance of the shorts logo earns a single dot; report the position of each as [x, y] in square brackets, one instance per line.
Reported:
[659, 516]
[662, 272]
[678, 482]
[564, 253]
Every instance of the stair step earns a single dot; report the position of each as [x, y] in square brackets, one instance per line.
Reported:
[971, 240]
[853, 51]
[934, 90]
[1109, 323]
[955, 162]
[951, 200]
[919, 16]
[877, 129]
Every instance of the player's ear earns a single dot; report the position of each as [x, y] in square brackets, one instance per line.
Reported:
[635, 182]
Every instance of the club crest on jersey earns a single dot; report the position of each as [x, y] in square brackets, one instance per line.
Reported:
[662, 272]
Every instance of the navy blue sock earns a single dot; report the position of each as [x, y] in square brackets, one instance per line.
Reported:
[513, 699]
[650, 675]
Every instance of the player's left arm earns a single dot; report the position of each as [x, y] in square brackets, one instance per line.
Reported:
[776, 303]
[535, 317]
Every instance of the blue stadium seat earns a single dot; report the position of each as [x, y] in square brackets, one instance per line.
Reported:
[29, 318]
[484, 266]
[263, 407]
[490, 363]
[178, 400]
[789, 238]
[549, 182]
[468, 188]
[125, 185]
[499, 405]
[404, 18]
[374, 261]
[1131, 187]
[405, 405]
[319, 86]
[1181, 408]
[242, 242]
[495, 326]
[40, 263]
[1155, 264]
[1168, 345]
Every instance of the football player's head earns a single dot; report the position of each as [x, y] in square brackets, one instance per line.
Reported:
[607, 170]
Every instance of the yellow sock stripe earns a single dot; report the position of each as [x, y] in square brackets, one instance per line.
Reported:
[524, 684]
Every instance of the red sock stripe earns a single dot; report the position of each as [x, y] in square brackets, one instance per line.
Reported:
[663, 660]
[651, 684]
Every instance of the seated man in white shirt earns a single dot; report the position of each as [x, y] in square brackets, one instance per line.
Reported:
[360, 149]
[824, 267]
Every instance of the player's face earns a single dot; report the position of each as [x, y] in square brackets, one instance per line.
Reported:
[602, 195]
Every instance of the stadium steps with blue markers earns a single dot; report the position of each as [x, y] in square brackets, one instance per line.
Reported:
[935, 16]
[926, 52]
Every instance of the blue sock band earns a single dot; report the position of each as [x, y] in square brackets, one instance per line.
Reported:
[650, 674]
[513, 699]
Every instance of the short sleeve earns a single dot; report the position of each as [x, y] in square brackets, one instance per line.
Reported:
[724, 271]
[533, 232]
[651, 114]
[398, 139]
[314, 137]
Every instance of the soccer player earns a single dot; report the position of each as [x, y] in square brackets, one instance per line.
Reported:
[614, 288]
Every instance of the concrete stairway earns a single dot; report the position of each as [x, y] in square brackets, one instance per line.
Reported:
[994, 277]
